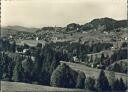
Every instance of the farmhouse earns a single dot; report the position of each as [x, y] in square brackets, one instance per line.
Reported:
[125, 38]
[75, 59]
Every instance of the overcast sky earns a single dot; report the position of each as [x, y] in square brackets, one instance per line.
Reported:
[39, 13]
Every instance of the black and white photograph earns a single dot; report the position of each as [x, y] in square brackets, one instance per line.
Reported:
[64, 46]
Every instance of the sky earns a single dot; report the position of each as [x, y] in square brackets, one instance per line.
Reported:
[40, 13]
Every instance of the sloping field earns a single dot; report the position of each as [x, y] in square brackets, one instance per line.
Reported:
[24, 87]
[93, 72]
[31, 42]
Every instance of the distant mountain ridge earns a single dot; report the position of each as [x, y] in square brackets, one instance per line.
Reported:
[103, 24]
[7, 30]
[106, 24]
[20, 28]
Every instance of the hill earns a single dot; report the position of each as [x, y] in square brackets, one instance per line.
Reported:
[20, 28]
[105, 24]
[13, 29]
[102, 24]
[99, 24]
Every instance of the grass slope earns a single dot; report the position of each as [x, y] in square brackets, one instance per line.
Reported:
[24, 87]
[93, 72]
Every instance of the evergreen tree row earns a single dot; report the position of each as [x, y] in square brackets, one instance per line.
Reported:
[64, 76]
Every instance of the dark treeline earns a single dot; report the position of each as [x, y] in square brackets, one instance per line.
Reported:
[42, 71]
[67, 50]
[80, 50]
[23, 68]
[42, 66]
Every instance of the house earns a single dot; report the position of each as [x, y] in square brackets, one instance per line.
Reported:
[92, 65]
[125, 38]
[75, 59]
[37, 38]
[25, 50]
[84, 32]
[11, 36]
[77, 29]
[33, 58]
[105, 32]
[112, 48]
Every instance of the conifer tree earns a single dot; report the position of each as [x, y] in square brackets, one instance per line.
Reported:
[80, 80]
[116, 85]
[18, 73]
[89, 83]
[102, 82]
[111, 79]
[122, 85]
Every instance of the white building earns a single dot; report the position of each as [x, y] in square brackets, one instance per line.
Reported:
[84, 32]
[25, 50]
[125, 38]
[105, 32]
[75, 59]
[10, 36]
[37, 38]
